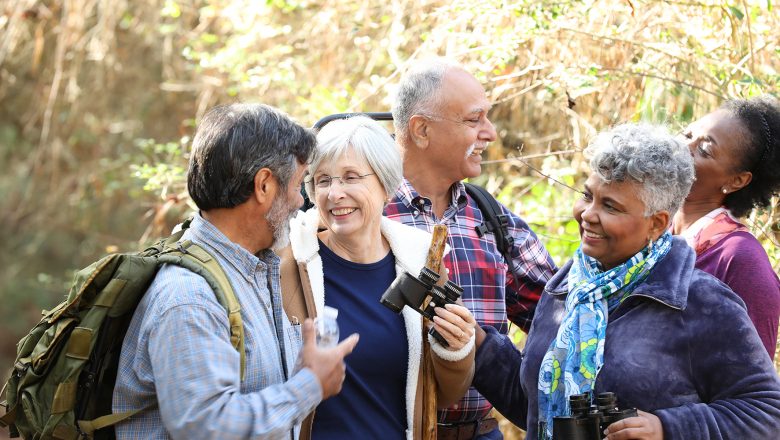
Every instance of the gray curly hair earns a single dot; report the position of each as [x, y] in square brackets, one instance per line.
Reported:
[646, 154]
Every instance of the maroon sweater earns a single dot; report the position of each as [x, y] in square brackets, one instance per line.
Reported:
[740, 262]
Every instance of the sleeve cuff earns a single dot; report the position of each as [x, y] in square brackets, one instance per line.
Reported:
[449, 355]
[307, 389]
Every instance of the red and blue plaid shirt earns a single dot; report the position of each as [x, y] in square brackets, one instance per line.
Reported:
[475, 264]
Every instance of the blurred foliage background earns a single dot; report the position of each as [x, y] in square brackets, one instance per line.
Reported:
[99, 100]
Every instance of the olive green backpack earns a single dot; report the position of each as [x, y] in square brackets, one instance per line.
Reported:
[63, 378]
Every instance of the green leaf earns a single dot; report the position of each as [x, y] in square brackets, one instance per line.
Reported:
[171, 9]
[737, 12]
[209, 38]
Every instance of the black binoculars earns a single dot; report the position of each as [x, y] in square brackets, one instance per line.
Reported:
[421, 294]
[588, 422]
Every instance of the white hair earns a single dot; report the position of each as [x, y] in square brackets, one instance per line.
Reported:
[367, 139]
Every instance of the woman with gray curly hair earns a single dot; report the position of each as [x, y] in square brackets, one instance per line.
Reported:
[630, 315]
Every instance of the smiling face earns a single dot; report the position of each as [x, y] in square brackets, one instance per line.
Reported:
[460, 130]
[349, 210]
[613, 226]
[715, 142]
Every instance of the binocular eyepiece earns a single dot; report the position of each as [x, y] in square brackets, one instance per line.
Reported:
[422, 295]
[587, 421]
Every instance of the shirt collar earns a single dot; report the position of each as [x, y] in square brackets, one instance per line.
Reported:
[458, 192]
[204, 232]
[414, 201]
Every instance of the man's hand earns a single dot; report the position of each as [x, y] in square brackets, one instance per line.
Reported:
[326, 363]
[645, 426]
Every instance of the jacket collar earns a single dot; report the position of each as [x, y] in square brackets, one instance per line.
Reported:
[667, 283]
[408, 244]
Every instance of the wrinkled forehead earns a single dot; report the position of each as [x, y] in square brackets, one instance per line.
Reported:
[626, 188]
[463, 94]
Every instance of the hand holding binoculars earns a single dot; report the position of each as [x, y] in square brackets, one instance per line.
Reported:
[588, 422]
[422, 295]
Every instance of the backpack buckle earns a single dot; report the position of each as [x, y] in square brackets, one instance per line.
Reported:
[20, 368]
[482, 229]
[510, 241]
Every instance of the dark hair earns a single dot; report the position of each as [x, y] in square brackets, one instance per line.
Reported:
[233, 142]
[760, 119]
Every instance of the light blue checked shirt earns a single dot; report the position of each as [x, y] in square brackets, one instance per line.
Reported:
[177, 358]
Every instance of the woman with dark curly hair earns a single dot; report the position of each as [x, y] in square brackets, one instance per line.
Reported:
[736, 152]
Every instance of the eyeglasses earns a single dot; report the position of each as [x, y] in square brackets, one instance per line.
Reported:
[349, 178]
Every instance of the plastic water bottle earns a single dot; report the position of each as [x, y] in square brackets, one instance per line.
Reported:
[327, 328]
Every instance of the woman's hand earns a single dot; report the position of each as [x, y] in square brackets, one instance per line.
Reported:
[644, 426]
[456, 324]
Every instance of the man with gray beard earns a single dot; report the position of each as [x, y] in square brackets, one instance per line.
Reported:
[442, 127]
[178, 367]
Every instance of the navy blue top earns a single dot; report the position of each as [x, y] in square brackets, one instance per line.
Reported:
[372, 402]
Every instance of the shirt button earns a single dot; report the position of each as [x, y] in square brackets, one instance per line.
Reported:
[415, 213]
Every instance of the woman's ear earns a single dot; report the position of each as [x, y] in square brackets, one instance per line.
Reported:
[737, 182]
[386, 202]
[659, 223]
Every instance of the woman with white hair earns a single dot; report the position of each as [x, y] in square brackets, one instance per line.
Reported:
[629, 314]
[344, 254]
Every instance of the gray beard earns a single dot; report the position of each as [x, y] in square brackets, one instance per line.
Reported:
[278, 218]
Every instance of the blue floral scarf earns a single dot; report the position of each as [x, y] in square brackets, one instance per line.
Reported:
[576, 355]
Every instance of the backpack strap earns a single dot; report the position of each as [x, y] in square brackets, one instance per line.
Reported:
[193, 257]
[196, 259]
[90, 426]
[493, 221]
[9, 417]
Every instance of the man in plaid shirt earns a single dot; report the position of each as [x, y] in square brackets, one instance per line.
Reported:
[441, 125]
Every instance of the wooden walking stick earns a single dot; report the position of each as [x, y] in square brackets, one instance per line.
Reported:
[429, 417]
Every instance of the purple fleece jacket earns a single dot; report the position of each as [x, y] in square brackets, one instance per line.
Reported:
[681, 346]
[739, 261]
